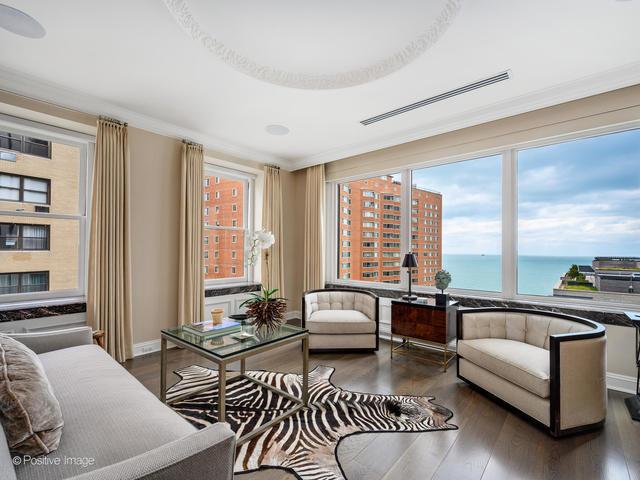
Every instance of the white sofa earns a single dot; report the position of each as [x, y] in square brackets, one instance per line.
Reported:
[341, 319]
[549, 366]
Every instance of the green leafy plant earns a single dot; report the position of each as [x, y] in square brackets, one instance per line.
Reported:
[573, 271]
[266, 309]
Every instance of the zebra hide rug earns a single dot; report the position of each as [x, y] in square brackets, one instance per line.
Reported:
[305, 443]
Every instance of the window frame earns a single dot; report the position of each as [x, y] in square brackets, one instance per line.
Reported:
[20, 237]
[217, 171]
[86, 144]
[509, 238]
[20, 283]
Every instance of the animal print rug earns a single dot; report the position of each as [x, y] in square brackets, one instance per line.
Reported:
[306, 442]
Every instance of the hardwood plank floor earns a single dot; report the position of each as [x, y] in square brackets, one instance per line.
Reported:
[491, 443]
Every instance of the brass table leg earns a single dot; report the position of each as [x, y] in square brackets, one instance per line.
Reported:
[222, 392]
[305, 370]
[163, 370]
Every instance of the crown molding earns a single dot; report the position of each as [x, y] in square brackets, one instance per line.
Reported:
[38, 89]
[614, 79]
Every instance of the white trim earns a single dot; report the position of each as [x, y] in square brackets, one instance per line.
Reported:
[621, 383]
[145, 348]
[292, 315]
[44, 90]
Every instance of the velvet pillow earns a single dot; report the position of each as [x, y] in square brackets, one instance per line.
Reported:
[29, 412]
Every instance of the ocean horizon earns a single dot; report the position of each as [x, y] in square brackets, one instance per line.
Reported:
[537, 275]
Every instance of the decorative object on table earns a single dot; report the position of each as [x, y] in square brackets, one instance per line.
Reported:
[209, 328]
[315, 431]
[260, 240]
[266, 310]
[426, 329]
[443, 279]
[409, 262]
[216, 315]
[633, 402]
[238, 317]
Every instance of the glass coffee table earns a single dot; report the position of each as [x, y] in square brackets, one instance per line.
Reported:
[225, 349]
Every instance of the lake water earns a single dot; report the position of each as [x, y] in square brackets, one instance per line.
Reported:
[537, 275]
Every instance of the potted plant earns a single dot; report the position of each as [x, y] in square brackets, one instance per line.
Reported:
[266, 310]
[443, 279]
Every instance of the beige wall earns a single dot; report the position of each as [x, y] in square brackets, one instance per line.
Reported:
[293, 189]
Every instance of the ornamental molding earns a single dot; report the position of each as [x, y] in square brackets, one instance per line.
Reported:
[183, 15]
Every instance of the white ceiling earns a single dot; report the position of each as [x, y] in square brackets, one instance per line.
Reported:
[132, 60]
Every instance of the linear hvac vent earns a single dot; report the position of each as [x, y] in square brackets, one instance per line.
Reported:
[443, 96]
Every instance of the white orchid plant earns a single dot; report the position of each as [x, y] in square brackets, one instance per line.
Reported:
[260, 240]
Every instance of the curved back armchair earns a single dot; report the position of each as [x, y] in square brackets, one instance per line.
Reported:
[341, 319]
[549, 366]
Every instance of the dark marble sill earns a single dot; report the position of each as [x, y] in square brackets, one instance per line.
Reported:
[42, 311]
[218, 291]
[605, 318]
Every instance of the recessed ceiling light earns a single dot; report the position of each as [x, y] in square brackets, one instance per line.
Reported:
[20, 23]
[276, 129]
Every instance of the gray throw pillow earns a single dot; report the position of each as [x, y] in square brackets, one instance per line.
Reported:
[29, 412]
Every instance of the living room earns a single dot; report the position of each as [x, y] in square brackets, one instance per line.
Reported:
[340, 241]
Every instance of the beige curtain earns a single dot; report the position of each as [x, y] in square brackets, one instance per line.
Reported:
[109, 289]
[273, 273]
[191, 267]
[314, 229]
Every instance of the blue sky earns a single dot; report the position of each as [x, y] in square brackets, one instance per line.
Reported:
[579, 198]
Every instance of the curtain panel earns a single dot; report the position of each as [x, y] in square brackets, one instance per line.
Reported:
[191, 266]
[273, 273]
[109, 286]
[314, 229]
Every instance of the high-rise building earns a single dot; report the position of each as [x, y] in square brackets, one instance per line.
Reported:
[370, 234]
[224, 246]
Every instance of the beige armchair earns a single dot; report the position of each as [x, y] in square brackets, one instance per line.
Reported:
[341, 319]
[549, 366]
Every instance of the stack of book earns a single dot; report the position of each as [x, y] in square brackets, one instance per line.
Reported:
[207, 329]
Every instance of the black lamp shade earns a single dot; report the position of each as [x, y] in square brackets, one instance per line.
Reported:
[409, 261]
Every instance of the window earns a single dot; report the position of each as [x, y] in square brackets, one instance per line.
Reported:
[26, 282]
[468, 243]
[579, 218]
[17, 236]
[231, 220]
[43, 192]
[25, 144]
[570, 212]
[19, 188]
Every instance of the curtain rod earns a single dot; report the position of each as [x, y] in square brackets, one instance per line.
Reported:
[189, 142]
[112, 120]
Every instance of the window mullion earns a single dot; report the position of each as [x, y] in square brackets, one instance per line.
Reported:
[509, 224]
[405, 222]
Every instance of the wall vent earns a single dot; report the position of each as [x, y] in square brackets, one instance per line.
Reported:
[437, 98]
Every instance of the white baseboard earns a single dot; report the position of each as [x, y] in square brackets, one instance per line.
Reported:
[293, 314]
[143, 348]
[621, 383]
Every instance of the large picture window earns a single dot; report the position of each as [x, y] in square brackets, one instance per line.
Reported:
[43, 214]
[556, 220]
[227, 198]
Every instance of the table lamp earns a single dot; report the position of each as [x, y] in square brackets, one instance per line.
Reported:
[409, 262]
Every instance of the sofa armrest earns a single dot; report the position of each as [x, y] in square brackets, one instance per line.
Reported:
[206, 454]
[42, 342]
[578, 371]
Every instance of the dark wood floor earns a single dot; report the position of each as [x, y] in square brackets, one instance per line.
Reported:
[491, 443]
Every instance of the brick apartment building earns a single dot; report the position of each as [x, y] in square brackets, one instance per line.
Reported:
[224, 248]
[370, 235]
[39, 187]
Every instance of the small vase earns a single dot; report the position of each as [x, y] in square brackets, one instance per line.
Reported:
[216, 315]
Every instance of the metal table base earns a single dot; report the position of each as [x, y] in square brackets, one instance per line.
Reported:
[222, 377]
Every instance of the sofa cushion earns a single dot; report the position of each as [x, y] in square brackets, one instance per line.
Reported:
[340, 322]
[29, 411]
[518, 362]
[109, 415]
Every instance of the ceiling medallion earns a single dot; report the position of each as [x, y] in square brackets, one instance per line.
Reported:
[185, 17]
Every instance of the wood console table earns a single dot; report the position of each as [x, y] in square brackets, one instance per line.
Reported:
[424, 328]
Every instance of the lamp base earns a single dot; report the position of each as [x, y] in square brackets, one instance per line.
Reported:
[633, 405]
[410, 297]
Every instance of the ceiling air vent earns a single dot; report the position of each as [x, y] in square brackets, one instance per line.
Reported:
[437, 98]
